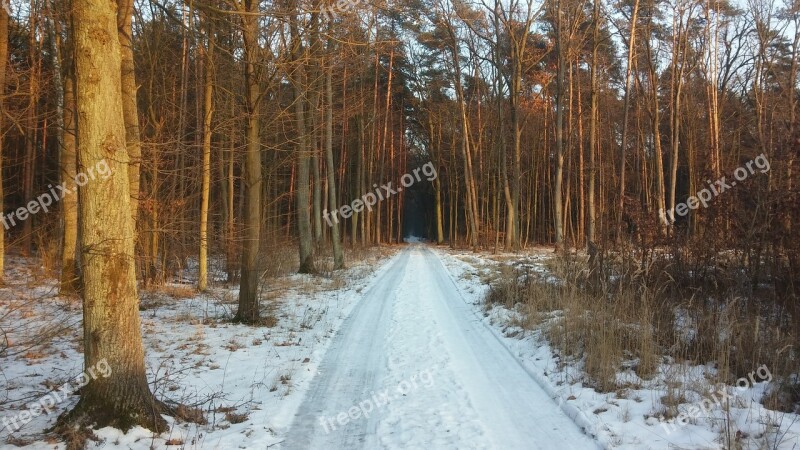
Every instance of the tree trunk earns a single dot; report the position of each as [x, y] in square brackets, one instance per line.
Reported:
[129, 105]
[655, 118]
[3, 62]
[248, 291]
[68, 161]
[593, 119]
[469, 178]
[333, 205]
[31, 127]
[208, 111]
[313, 120]
[558, 216]
[625, 116]
[306, 245]
[678, 65]
[112, 332]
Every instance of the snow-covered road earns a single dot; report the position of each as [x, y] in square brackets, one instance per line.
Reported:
[414, 367]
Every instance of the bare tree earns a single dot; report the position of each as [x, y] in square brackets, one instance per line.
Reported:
[208, 111]
[3, 62]
[249, 309]
[112, 331]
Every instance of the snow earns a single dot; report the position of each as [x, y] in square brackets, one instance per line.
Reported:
[194, 355]
[414, 322]
[629, 418]
[396, 352]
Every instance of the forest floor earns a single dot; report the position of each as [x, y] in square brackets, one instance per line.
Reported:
[399, 351]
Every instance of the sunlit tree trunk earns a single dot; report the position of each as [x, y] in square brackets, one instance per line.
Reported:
[63, 72]
[129, 105]
[208, 111]
[593, 119]
[112, 332]
[680, 44]
[625, 117]
[655, 123]
[558, 216]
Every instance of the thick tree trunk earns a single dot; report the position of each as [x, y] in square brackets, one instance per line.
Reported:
[112, 333]
[249, 310]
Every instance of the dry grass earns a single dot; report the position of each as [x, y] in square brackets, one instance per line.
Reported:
[235, 418]
[636, 314]
[582, 327]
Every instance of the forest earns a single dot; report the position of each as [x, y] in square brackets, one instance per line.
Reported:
[653, 141]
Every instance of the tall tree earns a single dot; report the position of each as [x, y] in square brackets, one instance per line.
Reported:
[63, 66]
[593, 124]
[112, 332]
[129, 104]
[299, 61]
[561, 52]
[205, 194]
[249, 306]
[625, 117]
[333, 205]
[3, 62]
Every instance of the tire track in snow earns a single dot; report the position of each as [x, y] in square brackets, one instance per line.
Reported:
[349, 371]
[413, 319]
[439, 415]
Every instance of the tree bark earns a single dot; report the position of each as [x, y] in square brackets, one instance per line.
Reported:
[593, 119]
[68, 162]
[333, 205]
[112, 332]
[208, 112]
[249, 308]
[558, 216]
[306, 244]
[3, 63]
[625, 116]
[129, 105]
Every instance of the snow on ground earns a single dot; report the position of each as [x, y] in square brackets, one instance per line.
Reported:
[413, 368]
[630, 417]
[247, 380]
[393, 353]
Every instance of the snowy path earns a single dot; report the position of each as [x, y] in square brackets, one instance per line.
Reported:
[413, 367]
